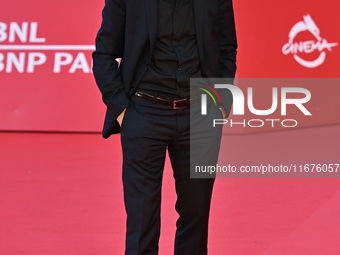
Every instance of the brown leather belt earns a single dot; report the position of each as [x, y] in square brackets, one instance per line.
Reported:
[175, 104]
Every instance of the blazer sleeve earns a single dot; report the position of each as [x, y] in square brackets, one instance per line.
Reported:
[227, 40]
[228, 50]
[109, 47]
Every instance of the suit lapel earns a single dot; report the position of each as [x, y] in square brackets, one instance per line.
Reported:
[151, 13]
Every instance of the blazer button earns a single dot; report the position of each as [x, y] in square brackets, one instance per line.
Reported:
[146, 62]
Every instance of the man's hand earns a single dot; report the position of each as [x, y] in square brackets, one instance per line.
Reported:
[120, 117]
[223, 112]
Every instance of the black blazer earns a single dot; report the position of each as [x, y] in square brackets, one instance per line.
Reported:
[128, 31]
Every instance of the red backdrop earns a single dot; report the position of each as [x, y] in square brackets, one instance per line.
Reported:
[45, 57]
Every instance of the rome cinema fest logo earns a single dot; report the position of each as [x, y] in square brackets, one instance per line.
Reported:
[318, 44]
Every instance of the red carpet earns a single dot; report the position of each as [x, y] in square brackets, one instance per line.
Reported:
[61, 194]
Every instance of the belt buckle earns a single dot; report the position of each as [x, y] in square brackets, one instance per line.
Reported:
[176, 101]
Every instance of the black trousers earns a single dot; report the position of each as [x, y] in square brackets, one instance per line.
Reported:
[147, 132]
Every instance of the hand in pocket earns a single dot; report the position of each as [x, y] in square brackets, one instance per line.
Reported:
[121, 117]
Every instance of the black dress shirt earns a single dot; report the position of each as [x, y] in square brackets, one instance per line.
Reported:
[175, 57]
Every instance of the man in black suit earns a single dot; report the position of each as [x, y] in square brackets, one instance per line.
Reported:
[162, 44]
